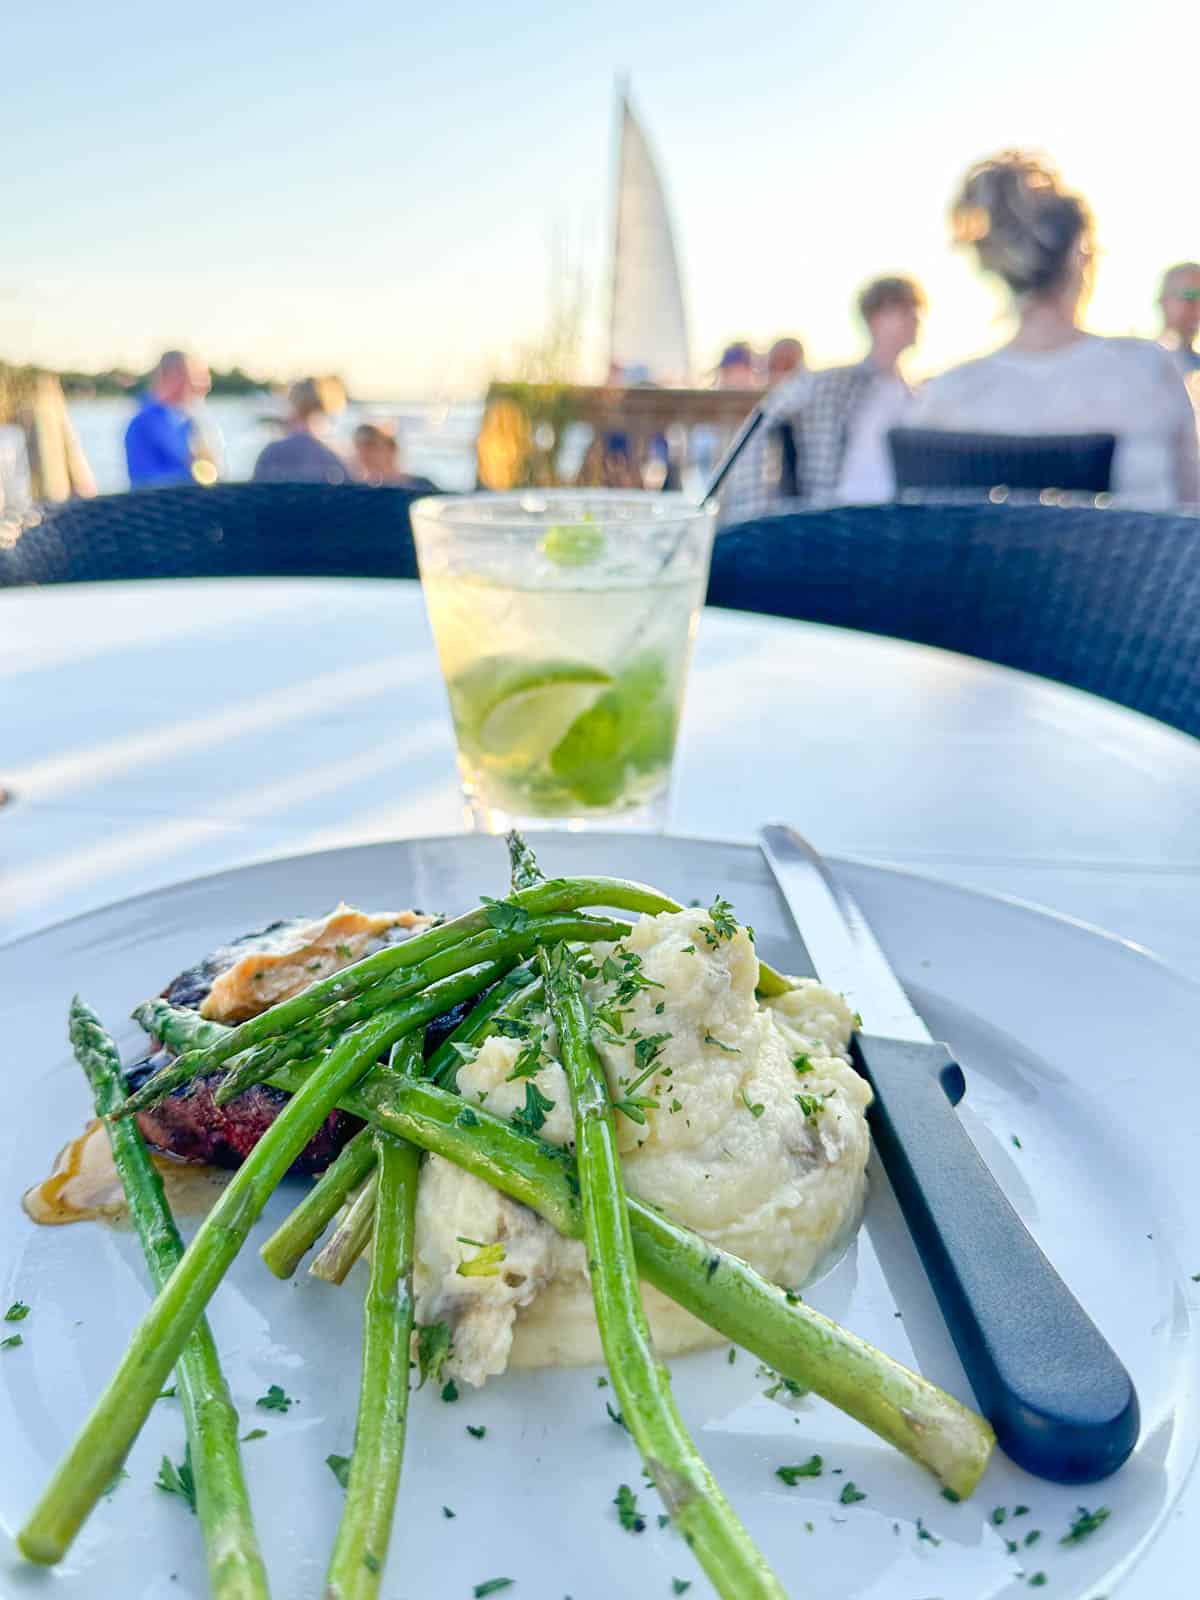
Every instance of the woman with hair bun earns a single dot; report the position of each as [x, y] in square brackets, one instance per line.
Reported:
[1053, 376]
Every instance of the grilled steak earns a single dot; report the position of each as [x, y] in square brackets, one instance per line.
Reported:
[190, 1125]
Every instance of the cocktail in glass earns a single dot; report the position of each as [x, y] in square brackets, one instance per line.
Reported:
[564, 623]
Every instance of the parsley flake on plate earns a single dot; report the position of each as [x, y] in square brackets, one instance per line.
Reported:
[255, 1433]
[340, 1467]
[531, 1116]
[491, 1586]
[811, 1468]
[476, 1430]
[178, 1480]
[17, 1312]
[274, 1399]
[851, 1494]
[628, 1514]
[433, 1350]
[1085, 1523]
[11, 1343]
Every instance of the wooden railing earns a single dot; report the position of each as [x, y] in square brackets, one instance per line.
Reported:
[538, 434]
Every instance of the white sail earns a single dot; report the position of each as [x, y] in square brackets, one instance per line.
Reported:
[648, 336]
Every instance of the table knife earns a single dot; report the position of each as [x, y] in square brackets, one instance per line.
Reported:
[1062, 1404]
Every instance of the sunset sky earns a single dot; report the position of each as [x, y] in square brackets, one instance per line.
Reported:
[299, 187]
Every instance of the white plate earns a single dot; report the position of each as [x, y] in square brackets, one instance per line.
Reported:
[1077, 1044]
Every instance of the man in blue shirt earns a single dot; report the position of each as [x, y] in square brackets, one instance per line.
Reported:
[158, 442]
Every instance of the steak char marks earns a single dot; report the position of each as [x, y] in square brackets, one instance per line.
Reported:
[190, 1125]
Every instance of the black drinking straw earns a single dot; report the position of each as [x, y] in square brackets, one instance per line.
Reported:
[740, 440]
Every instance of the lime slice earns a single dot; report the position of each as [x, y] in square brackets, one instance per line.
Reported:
[516, 711]
[573, 544]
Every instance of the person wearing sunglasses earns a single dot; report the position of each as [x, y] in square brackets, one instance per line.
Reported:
[1179, 302]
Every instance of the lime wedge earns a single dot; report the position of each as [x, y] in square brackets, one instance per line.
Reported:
[516, 711]
[573, 544]
[630, 728]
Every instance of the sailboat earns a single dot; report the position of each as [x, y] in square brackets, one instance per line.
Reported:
[648, 336]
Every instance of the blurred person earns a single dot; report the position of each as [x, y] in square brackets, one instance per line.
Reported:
[1179, 302]
[161, 442]
[302, 456]
[783, 358]
[1054, 376]
[824, 437]
[377, 456]
[736, 368]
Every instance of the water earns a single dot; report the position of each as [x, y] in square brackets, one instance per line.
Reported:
[565, 699]
[437, 441]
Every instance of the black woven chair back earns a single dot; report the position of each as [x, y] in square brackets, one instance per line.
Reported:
[1107, 601]
[926, 459]
[232, 530]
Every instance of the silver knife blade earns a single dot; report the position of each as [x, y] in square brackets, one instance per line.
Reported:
[837, 936]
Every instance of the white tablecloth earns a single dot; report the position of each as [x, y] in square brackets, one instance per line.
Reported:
[151, 732]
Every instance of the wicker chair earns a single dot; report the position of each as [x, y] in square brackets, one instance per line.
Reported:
[927, 459]
[1107, 601]
[232, 530]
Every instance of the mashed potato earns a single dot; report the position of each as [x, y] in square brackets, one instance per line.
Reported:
[754, 1135]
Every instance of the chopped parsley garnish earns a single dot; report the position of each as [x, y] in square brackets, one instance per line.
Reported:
[851, 1494]
[615, 1416]
[511, 1027]
[17, 1312]
[1015, 1140]
[529, 1058]
[484, 1264]
[11, 1343]
[721, 924]
[999, 1516]
[449, 1391]
[810, 1104]
[477, 1431]
[179, 1479]
[532, 1115]
[809, 1469]
[466, 1118]
[340, 1467]
[949, 1494]
[680, 1585]
[274, 1399]
[1038, 1581]
[1020, 1511]
[507, 916]
[446, 1512]
[628, 1514]
[755, 1108]
[732, 1357]
[792, 1298]
[344, 951]
[781, 1385]
[635, 1107]
[729, 1049]
[433, 1349]
[1085, 1523]
[491, 1586]
[168, 1394]
[646, 1052]
[370, 1561]
[688, 950]
[602, 1382]
[676, 1105]
[1033, 1536]
[802, 1064]
[924, 1533]
[255, 1433]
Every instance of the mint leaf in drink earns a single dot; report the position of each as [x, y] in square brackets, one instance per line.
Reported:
[629, 729]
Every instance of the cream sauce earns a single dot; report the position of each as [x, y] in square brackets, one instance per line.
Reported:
[83, 1185]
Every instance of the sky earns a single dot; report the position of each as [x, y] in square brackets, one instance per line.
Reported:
[382, 191]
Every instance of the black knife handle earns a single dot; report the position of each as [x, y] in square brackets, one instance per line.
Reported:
[1047, 1380]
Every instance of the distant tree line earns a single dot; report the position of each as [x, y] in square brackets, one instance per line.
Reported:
[119, 380]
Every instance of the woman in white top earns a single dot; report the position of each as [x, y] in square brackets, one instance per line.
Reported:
[1053, 376]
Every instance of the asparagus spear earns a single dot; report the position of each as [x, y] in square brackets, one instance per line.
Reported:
[300, 1230]
[102, 1443]
[235, 1566]
[304, 1226]
[283, 1019]
[352, 1235]
[914, 1415]
[178, 1027]
[361, 1546]
[736, 1567]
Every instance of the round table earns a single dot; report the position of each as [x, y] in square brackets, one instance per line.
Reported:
[150, 732]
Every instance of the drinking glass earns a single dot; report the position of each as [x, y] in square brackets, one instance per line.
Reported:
[564, 621]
